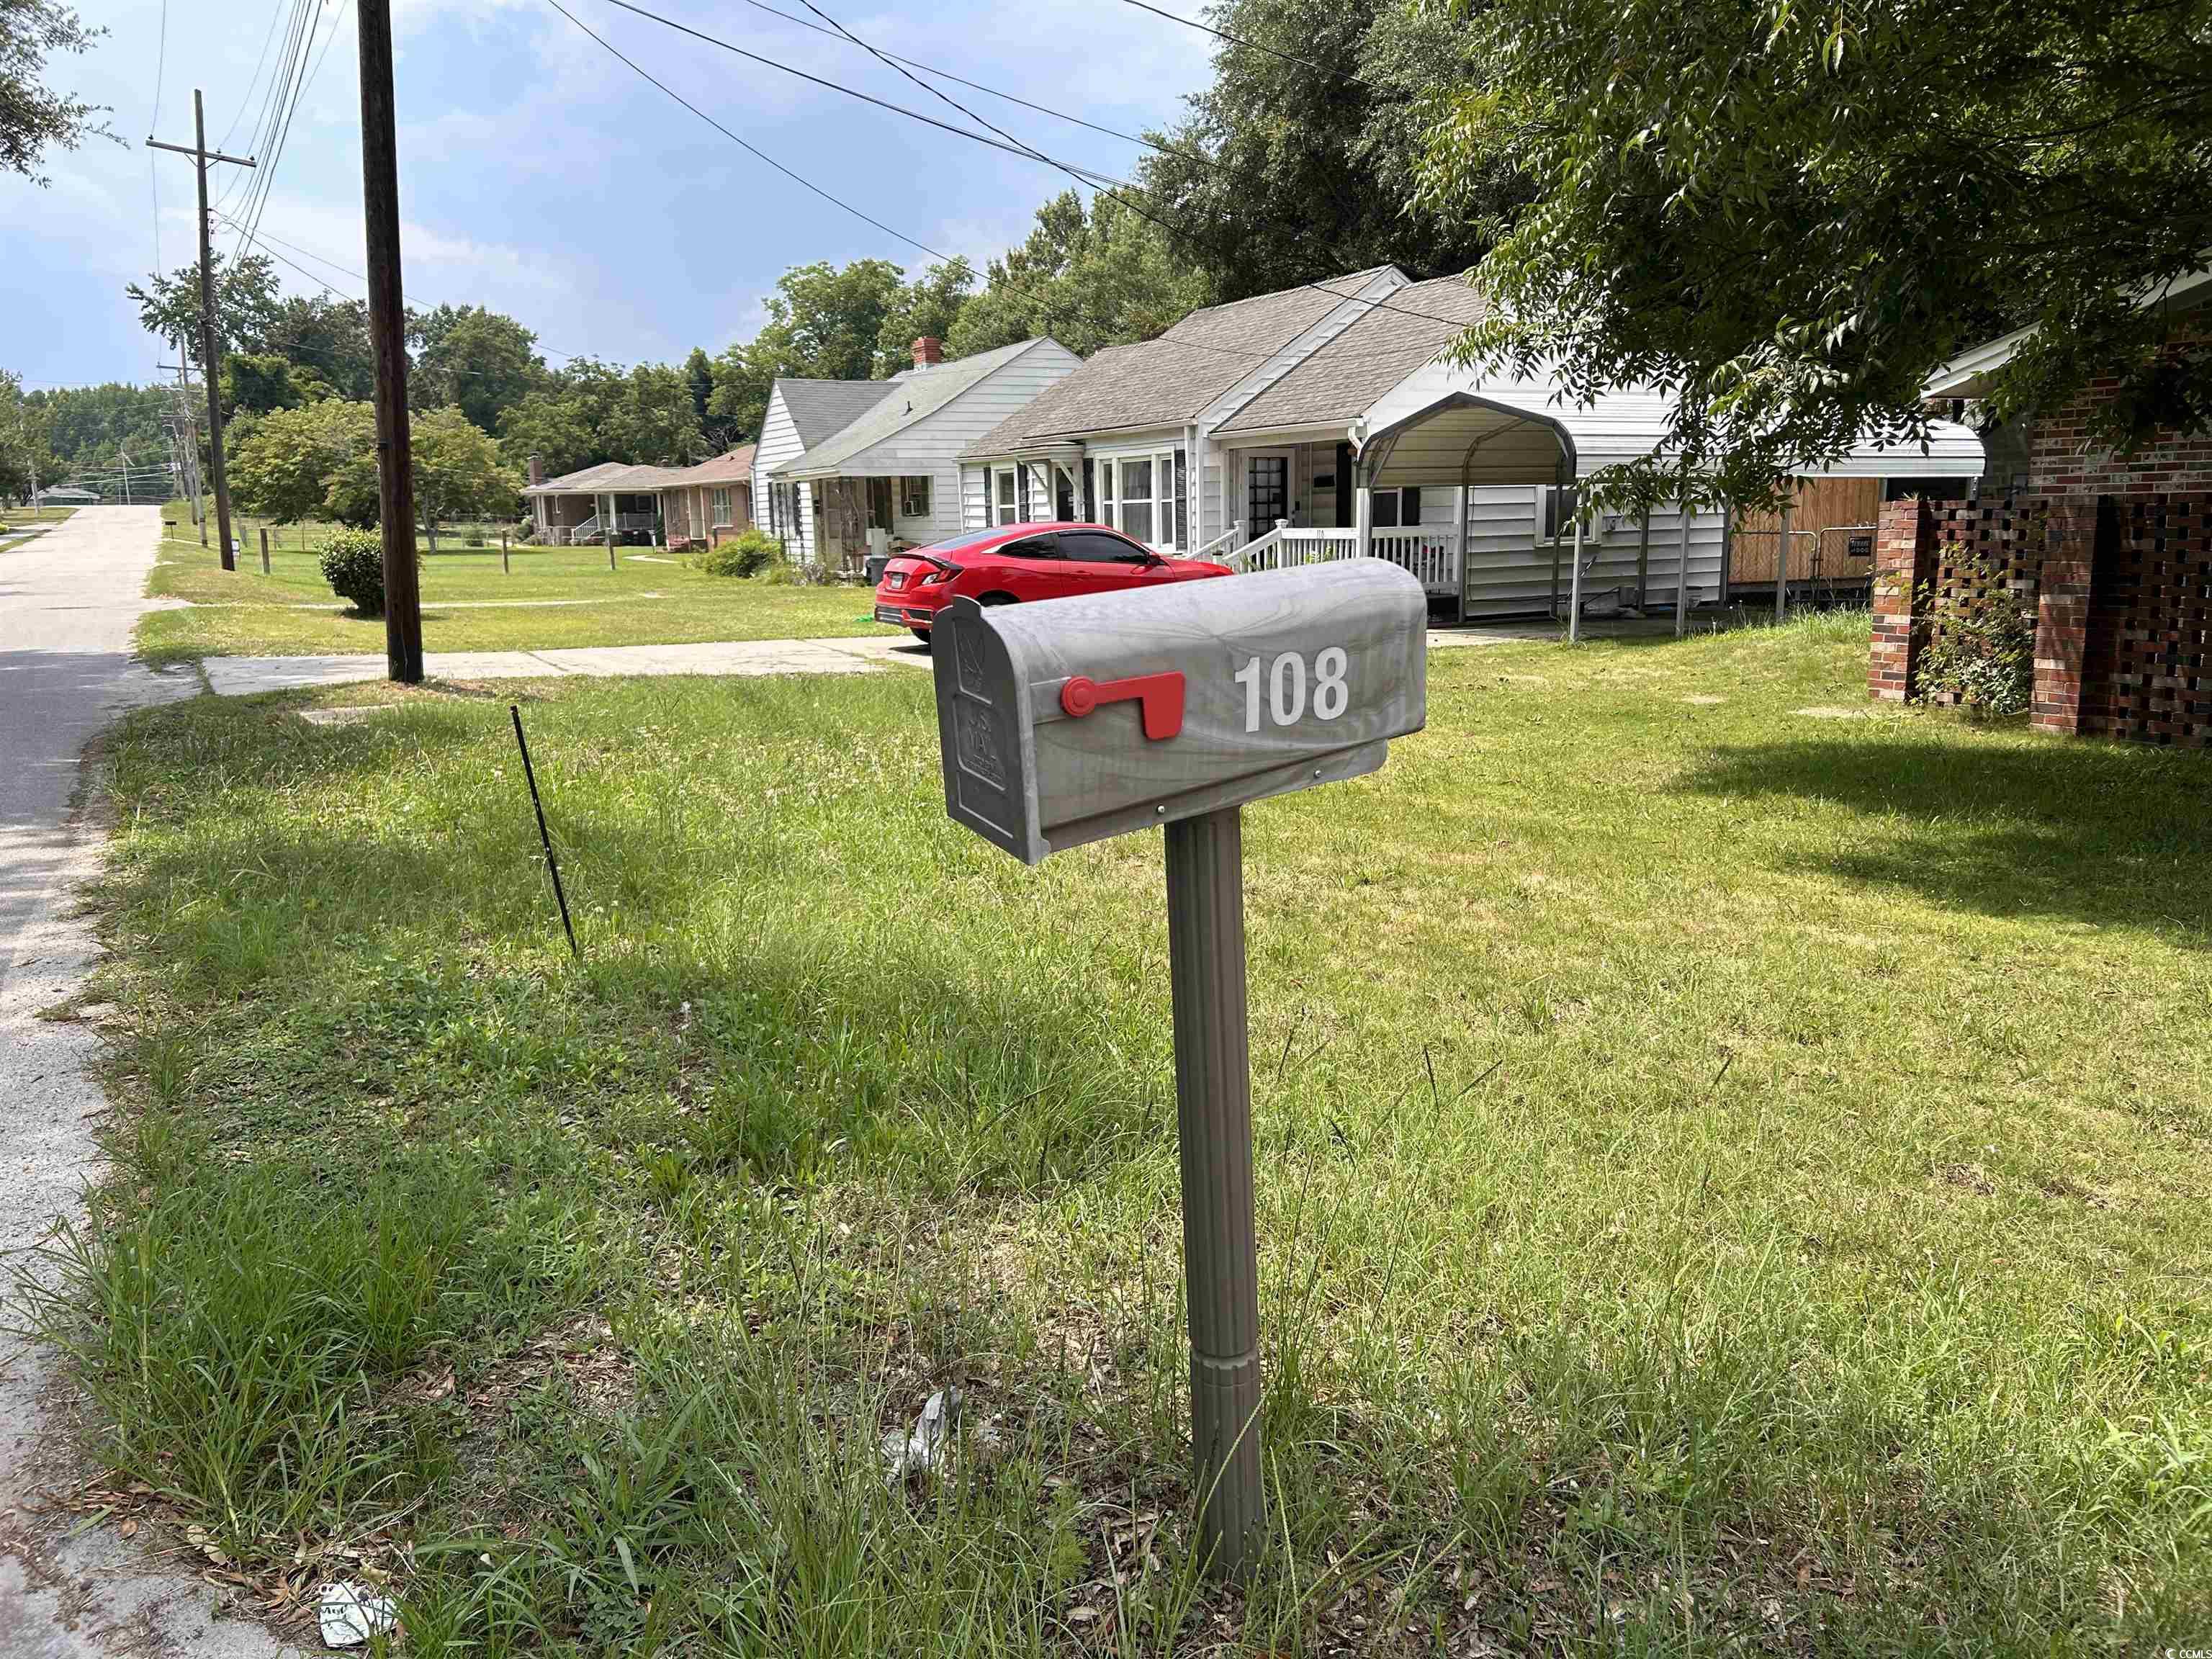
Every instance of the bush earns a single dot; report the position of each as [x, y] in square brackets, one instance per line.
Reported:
[1984, 659]
[352, 564]
[746, 555]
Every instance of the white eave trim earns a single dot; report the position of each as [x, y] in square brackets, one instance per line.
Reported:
[1962, 376]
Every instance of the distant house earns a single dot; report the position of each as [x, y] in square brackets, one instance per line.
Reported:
[1319, 421]
[839, 459]
[612, 498]
[703, 504]
[66, 496]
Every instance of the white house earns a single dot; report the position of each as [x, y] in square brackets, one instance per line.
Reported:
[1323, 423]
[839, 459]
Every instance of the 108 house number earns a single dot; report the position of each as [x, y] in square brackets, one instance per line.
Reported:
[1287, 684]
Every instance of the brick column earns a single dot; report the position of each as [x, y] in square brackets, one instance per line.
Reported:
[2061, 621]
[1903, 558]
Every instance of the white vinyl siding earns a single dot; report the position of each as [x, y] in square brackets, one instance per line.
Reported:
[930, 447]
[780, 442]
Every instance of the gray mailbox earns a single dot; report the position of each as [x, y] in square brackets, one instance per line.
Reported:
[1071, 719]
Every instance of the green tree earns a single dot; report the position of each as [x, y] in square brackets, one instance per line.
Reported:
[565, 424]
[255, 383]
[826, 322]
[1088, 278]
[85, 425]
[928, 306]
[328, 337]
[699, 378]
[27, 458]
[1792, 215]
[738, 403]
[1299, 163]
[475, 360]
[247, 306]
[457, 472]
[650, 423]
[290, 465]
[33, 118]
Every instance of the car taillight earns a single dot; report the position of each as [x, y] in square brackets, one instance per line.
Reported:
[937, 576]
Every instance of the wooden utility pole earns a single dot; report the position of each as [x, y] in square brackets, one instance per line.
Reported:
[210, 343]
[387, 334]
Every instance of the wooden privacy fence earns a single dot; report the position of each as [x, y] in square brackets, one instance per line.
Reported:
[2122, 588]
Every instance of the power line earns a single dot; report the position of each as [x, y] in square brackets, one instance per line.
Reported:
[1084, 174]
[264, 238]
[276, 12]
[994, 92]
[297, 66]
[1255, 46]
[1137, 208]
[807, 184]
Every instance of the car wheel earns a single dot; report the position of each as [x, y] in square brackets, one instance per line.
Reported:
[921, 634]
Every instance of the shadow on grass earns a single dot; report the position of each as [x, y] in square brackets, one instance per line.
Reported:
[2101, 832]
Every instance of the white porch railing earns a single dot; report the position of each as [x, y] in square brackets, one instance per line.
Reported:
[588, 531]
[1431, 552]
[1227, 539]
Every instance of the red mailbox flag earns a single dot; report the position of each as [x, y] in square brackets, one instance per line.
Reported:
[1158, 698]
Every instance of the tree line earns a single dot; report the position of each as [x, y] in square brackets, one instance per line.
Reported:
[1787, 218]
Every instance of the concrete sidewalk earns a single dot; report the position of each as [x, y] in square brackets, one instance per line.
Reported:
[241, 677]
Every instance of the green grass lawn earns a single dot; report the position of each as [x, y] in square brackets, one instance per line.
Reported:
[1730, 1179]
[652, 600]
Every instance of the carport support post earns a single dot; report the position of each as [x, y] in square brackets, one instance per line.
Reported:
[1642, 557]
[1213, 1116]
[1682, 578]
[1782, 561]
[1575, 585]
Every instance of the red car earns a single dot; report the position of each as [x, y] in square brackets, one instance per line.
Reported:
[1009, 563]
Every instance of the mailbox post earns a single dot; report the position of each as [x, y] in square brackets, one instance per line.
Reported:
[1072, 720]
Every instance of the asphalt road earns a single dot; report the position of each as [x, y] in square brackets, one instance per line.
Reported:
[68, 601]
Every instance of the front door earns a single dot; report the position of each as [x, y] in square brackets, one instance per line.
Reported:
[1267, 490]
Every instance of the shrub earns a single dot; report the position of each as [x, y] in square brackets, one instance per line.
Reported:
[352, 564]
[1984, 658]
[745, 555]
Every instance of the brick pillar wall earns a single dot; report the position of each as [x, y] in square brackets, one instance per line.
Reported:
[1904, 555]
[2061, 622]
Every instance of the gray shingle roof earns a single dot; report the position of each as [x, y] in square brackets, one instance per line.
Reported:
[735, 467]
[1168, 380]
[821, 408]
[1341, 380]
[915, 397]
[582, 482]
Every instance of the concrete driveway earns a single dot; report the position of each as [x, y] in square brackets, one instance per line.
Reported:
[68, 601]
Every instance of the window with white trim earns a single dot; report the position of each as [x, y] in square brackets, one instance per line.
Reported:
[1137, 496]
[1398, 508]
[913, 497]
[1005, 502]
[721, 509]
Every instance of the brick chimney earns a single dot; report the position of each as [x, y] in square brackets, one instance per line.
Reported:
[928, 351]
[536, 471]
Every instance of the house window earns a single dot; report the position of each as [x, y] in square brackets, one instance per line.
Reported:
[1560, 506]
[1396, 508]
[721, 509]
[1137, 496]
[1004, 503]
[913, 498]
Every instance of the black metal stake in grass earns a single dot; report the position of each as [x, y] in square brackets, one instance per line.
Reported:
[552, 864]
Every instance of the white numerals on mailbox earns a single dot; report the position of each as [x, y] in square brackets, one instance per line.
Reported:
[1067, 720]
[1286, 687]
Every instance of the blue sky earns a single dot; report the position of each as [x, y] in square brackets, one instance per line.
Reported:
[540, 177]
